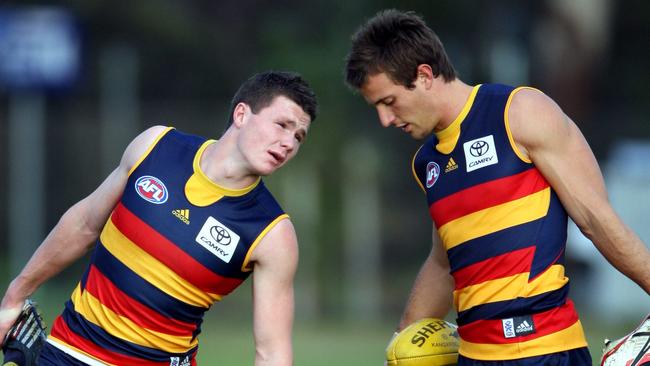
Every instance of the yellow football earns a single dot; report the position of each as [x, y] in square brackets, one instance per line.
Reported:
[426, 342]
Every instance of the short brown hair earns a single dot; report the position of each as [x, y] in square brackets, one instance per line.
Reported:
[261, 89]
[395, 42]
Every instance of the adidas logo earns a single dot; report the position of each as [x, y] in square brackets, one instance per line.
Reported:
[183, 215]
[176, 361]
[518, 326]
[524, 327]
[451, 165]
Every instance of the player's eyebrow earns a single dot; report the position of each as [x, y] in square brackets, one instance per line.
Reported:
[289, 121]
[379, 100]
[295, 125]
[382, 100]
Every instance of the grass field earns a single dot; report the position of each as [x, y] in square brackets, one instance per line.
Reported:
[227, 339]
[314, 345]
[352, 344]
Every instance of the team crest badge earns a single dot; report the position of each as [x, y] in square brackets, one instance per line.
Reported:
[433, 172]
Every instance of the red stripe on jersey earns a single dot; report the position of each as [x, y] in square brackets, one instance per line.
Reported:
[119, 302]
[548, 322]
[486, 195]
[504, 265]
[61, 331]
[169, 254]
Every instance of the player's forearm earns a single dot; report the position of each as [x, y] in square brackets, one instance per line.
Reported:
[426, 306]
[626, 252]
[617, 243]
[276, 358]
[68, 241]
[273, 344]
[431, 295]
[273, 333]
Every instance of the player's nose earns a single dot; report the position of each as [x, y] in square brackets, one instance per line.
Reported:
[288, 143]
[386, 116]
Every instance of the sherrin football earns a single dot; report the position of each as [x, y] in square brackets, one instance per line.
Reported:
[426, 342]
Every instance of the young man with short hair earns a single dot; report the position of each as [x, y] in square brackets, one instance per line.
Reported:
[179, 224]
[502, 169]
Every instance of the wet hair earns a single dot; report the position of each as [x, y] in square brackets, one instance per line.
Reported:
[396, 43]
[259, 91]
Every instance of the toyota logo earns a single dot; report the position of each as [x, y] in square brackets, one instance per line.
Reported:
[479, 148]
[221, 235]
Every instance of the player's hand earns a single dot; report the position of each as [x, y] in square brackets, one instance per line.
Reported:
[9, 312]
[395, 334]
[427, 341]
[632, 349]
[26, 336]
[10, 309]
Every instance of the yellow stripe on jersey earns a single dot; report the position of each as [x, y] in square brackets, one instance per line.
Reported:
[493, 219]
[121, 327]
[146, 153]
[448, 138]
[506, 119]
[552, 279]
[490, 291]
[566, 339]
[415, 175]
[244, 266]
[197, 194]
[152, 270]
[508, 288]
[201, 191]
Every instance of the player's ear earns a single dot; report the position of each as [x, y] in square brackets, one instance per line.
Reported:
[240, 113]
[424, 75]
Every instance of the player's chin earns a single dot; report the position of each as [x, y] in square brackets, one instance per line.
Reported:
[418, 135]
[268, 168]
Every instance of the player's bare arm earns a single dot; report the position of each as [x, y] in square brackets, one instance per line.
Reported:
[431, 295]
[546, 136]
[75, 233]
[275, 262]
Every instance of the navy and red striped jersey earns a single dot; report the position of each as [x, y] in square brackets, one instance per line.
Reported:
[504, 230]
[175, 243]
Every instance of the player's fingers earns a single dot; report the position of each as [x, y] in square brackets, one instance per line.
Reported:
[7, 317]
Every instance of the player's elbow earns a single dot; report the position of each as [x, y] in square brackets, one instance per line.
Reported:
[597, 224]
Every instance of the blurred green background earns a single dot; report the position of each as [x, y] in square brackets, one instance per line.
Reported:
[362, 222]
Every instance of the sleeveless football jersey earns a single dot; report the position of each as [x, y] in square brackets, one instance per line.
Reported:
[174, 244]
[504, 231]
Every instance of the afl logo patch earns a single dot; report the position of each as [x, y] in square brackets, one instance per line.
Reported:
[433, 172]
[151, 189]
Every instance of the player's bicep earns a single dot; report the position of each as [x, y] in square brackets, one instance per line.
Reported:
[275, 261]
[559, 150]
[96, 207]
[438, 254]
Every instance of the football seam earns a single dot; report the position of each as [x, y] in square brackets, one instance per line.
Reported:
[425, 356]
